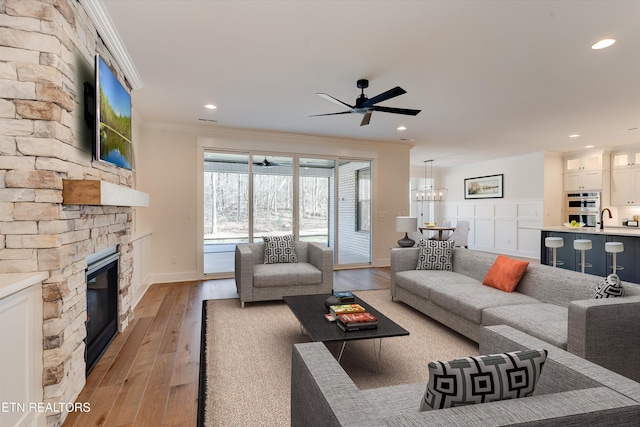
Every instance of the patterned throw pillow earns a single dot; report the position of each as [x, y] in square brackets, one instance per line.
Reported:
[279, 249]
[435, 255]
[483, 379]
[611, 287]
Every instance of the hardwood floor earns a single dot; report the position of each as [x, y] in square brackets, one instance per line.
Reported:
[149, 374]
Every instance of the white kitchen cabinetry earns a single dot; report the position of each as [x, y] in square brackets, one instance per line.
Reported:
[624, 159]
[583, 163]
[584, 172]
[625, 187]
[586, 180]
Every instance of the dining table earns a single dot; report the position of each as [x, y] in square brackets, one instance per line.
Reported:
[439, 229]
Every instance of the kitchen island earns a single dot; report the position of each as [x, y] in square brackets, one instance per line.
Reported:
[601, 261]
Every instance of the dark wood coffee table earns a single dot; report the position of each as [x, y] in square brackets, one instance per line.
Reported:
[310, 311]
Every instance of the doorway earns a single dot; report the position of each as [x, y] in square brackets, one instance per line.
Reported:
[251, 195]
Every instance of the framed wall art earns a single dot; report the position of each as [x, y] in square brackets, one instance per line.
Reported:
[484, 187]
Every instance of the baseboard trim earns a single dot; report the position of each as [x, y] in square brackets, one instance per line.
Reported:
[185, 276]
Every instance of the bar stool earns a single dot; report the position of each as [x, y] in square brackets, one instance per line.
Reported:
[614, 248]
[554, 243]
[582, 245]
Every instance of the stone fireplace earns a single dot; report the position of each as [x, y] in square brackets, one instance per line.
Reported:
[102, 304]
[46, 56]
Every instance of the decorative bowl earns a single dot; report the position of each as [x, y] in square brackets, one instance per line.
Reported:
[574, 225]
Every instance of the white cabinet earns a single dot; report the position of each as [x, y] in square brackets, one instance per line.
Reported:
[583, 163]
[585, 180]
[585, 171]
[625, 187]
[624, 159]
[21, 356]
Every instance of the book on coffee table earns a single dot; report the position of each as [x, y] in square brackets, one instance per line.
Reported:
[346, 308]
[357, 321]
[356, 327]
[365, 317]
[345, 297]
[330, 317]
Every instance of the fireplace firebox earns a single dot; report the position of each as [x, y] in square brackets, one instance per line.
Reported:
[102, 304]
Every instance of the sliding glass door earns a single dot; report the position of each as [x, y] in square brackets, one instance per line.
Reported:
[226, 209]
[251, 195]
[272, 195]
[316, 200]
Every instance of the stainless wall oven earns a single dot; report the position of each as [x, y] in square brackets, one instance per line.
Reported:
[582, 207]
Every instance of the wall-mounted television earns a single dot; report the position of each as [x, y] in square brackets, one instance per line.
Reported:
[113, 118]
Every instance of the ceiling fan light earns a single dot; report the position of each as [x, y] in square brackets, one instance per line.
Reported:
[602, 44]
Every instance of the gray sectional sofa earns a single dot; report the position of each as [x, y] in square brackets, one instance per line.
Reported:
[571, 392]
[549, 303]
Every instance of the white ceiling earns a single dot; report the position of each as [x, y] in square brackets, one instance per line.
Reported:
[492, 78]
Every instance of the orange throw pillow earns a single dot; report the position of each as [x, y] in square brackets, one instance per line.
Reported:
[505, 273]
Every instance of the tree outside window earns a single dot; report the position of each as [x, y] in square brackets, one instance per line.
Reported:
[363, 209]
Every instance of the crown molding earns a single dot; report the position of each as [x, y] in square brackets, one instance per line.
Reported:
[104, 25]
[266, 136]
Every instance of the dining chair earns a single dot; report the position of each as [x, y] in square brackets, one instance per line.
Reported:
[460, 235]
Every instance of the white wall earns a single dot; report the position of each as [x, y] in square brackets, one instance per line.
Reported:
[170, 169]
[508, 225]
[553, 189]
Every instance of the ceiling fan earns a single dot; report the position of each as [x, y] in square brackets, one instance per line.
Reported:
[265, 163]
[366, 105]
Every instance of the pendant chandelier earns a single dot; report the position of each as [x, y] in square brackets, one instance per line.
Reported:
[429, 193]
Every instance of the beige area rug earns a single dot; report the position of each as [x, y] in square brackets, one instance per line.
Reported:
[246, 362]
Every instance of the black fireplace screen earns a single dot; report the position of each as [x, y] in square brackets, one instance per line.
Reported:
[102, 307]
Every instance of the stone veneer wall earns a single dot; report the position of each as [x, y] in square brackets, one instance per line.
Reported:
[46, 48]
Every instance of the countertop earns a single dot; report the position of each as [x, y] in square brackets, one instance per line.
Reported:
[608, 231]
[10, 283]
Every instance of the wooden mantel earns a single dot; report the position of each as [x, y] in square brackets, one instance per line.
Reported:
[101, 193]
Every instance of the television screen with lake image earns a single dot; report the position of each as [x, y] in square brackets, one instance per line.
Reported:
[113, 139]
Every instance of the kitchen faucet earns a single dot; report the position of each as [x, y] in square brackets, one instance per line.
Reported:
[602, 217]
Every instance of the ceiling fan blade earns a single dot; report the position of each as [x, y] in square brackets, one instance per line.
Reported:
[366, 119]
[334, 100]
[331, 114]
[391, 93]
[404, 111]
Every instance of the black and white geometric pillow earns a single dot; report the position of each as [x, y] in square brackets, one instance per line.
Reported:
[279, 249]
[435, 255]
[611, 287]
[482, 379]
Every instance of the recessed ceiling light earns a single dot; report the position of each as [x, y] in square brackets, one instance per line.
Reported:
[588, 146]
[603, 44]
[574, 135]
[402, 128]
[210, 106]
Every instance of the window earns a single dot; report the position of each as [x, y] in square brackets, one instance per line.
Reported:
[363, 208]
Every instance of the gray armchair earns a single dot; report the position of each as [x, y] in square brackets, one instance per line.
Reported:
[257, 281]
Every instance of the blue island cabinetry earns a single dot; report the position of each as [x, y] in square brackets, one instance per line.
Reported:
[601, 262]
